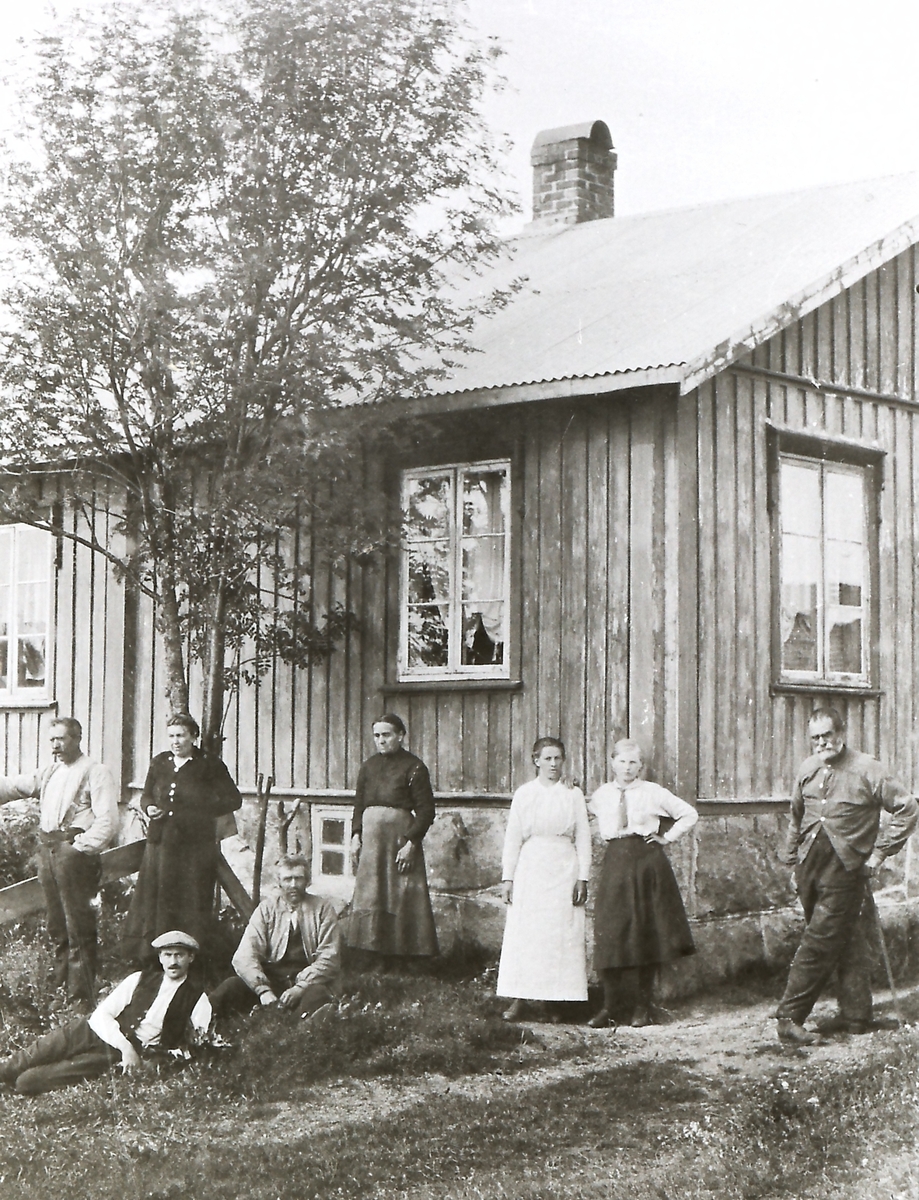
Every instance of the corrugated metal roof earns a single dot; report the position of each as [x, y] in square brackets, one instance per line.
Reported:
[687, 289]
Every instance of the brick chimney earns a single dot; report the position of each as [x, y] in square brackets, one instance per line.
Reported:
[573, 171]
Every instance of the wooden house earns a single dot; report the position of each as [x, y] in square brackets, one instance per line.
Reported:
[672, 496]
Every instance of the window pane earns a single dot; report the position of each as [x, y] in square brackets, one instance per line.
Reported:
[6, 554]
[483, 634]
[429, 572]
[31, 604]
[4, 663]
[6, 594]
[845, 573]
[844, 642]
[483, 568]
[31, 670]
[484, 502]
[800, 588]
[31, 554]
[333, 832]
[333, 862]
[427, 505]
[845, 506]
[800, 499]
[427, 635]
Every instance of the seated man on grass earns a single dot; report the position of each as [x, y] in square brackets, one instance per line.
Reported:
[289, 954]
[149, 1015]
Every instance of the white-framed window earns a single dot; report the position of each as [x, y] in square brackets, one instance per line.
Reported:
[26, 557]
[824, 559]
[331, 836]
[455, 595]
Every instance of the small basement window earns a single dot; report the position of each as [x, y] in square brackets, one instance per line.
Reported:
[331, 832]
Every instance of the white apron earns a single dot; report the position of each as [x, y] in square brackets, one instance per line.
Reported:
[543, 956]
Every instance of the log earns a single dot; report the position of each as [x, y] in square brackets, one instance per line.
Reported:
[21, 899]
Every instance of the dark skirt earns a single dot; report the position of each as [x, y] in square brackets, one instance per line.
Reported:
[639, 917]
[390, 912]
[175, 889]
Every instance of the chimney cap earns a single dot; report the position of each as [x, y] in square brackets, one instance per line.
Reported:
[590, 131]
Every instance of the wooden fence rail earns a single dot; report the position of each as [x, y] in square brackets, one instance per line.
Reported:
[20, 899]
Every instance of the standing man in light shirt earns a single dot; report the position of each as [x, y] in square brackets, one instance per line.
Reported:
[78, 819]
[835, 843]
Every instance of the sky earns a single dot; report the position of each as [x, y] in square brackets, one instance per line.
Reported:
[705, 99]
[714, 99]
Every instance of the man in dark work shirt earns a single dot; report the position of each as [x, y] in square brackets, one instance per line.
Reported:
[835, 844]
[289, 954]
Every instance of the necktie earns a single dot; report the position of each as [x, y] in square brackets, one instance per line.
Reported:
[623, 810]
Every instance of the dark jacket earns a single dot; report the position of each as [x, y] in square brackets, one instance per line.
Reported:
[398, 780]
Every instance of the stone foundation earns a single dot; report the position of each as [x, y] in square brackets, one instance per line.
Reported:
[738, 894]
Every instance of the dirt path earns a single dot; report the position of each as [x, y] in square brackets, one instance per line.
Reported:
[710, 1038]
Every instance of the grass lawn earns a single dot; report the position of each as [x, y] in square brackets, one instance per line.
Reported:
[419, 1089]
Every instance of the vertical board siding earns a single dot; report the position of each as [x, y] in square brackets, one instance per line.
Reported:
[85, 654]
[729, 459]
[864, 338]
[642, 597]
[618, 582]
[577, 509]
[645, 583]
[746, 731]
[573, 570]
[708, 592]
[599, 646]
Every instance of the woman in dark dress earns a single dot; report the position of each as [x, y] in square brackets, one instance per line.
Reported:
[184, 794]
[393, 809]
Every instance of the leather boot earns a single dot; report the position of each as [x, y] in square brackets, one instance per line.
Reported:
[841, 1024]
[602, 1020]
[515, 1012]
[794, 1034]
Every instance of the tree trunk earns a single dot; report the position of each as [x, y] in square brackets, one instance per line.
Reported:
[168, 621]
[214, 666]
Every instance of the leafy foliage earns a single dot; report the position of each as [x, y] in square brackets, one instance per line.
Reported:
[235, 231]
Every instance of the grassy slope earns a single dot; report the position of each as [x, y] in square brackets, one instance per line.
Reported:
[592, 1128]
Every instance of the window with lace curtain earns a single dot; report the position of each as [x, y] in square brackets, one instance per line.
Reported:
[826, 542]
[455, 571]
[25, 612]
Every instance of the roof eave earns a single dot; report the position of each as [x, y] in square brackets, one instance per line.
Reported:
[743, 341]
[549, 389]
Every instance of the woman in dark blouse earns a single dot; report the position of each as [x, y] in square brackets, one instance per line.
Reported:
[393, 809]
[184, 794]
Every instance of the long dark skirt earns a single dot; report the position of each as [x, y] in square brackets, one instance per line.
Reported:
[390, 912]
[638, 916]
[175, 890]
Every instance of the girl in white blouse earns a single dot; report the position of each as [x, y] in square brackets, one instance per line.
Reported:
[545, 868]
[639, 920]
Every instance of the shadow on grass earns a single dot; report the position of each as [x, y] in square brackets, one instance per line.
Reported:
[642, 1131]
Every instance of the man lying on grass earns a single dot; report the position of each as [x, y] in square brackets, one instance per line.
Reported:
[289, 954]
[152, 1015]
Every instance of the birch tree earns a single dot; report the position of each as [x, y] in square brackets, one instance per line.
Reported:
[231, 233]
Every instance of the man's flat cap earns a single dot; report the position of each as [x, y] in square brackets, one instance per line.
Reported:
[175, 940]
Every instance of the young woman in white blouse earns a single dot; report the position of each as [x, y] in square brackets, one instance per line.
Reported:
[639, 919]
[545, 867]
